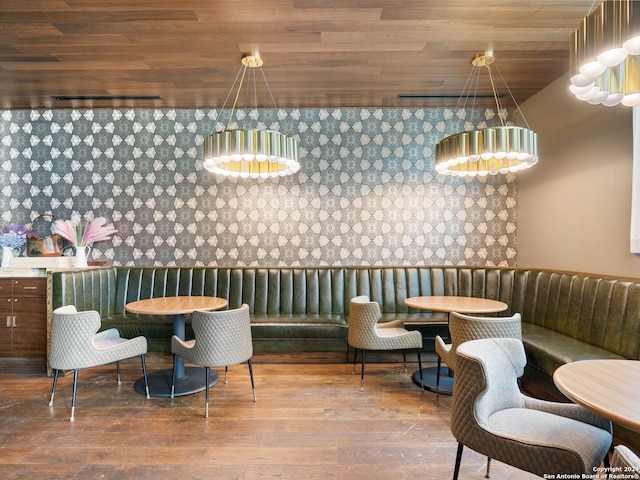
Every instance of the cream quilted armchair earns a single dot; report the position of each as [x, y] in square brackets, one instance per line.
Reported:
[76, 345]
[223, 338]
[490, 415]
[463, 328]
[365, 333]
[624, 462]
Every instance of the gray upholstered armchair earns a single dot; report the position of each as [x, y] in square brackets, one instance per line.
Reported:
[76, 345]
[223, 338]
[490, 415]
[365, 333]
[463, 328]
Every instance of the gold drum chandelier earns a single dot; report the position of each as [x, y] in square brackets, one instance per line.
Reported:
[491, 150]
[604, 55]
[250, 152]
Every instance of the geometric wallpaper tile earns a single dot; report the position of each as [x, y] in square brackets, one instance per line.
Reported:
[367, 192]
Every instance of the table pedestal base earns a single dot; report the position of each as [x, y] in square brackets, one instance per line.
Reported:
[193, 381]
[429, 376]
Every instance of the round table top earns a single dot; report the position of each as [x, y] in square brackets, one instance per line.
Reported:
[451, 303]
[610, 388]
[175, 305]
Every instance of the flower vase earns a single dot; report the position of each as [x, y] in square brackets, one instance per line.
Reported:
[81, 257]
[7, 255]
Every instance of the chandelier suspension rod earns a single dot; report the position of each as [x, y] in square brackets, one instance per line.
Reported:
[235, 101]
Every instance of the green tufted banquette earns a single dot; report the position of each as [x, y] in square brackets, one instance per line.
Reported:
[566, 316]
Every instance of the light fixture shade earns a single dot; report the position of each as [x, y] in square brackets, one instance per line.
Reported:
[604, 52]
[251, 153]
[487, 151]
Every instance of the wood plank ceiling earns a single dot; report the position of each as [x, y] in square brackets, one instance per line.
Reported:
[317, 53]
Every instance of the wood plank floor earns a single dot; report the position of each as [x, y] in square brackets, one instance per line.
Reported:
[311, 421]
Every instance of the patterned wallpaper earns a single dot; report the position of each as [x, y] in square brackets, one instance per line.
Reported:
[367, 192]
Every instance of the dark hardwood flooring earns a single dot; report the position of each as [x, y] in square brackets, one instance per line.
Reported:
[311, 421]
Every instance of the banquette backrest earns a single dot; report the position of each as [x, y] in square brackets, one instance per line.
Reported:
[603, 311]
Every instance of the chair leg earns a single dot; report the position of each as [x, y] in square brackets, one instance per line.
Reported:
[226, 374]
[420, 368]
[173, 375]
[404, 360]
[53, 388]
[456, 469]
[206, 394]
[253, 385]
[362, 371]
[73, 398]
[438, 375]
[488, 467]
[144, 374]
[118, 371]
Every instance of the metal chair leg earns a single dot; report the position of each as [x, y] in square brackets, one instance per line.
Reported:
[362, 371]
[118, 371]
[404, 360]
[456, 469]
[253, 386]
[144, 374]
[73, 398]
[488, 467]
[420, 368]
[226, 374]
[206, 395]
[173, 375]
[53, 388]
[438, 375]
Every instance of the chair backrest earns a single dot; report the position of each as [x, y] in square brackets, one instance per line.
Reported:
[71, 334]
[363, 318]
[222, 337]
[464, 328]
[486, 382]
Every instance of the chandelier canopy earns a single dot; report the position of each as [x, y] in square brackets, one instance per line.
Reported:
[487, 151]
[250, 152]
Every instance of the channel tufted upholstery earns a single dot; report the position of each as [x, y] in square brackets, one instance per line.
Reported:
[463, 328]
[491, 416]
[75, 344]
[223, 338]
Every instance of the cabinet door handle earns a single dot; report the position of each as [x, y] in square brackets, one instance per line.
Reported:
[8, 321]
[29, 288]
[14, 322]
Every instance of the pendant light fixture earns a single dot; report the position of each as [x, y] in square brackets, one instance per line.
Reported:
[488, 151]
[250, 152]
[605, 53]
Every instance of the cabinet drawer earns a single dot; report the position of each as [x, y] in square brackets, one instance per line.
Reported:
[30, 287]
[6, 287]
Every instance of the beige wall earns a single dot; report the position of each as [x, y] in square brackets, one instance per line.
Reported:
[574, 207]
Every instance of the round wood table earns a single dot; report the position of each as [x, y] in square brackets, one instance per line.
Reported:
[610, 388]
[190, 379]
[448, 304]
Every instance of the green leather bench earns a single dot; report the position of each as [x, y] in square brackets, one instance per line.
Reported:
[566, 316]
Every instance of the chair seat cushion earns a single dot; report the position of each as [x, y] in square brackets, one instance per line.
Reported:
[299, 326]
[542, 429]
